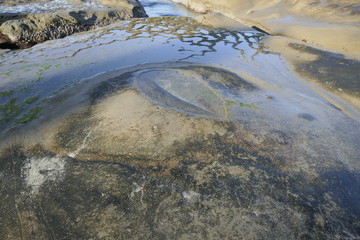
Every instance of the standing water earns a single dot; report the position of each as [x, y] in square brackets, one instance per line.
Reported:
[161, 8]
[163, 127]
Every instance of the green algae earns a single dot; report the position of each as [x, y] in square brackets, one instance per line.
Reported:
[43, 100]
[10, 109]
[24, 89]
[31, 100]
[250, 106]
[6, 93]
[37, 79]
[227, 103]
[43, 69]
[30, 115]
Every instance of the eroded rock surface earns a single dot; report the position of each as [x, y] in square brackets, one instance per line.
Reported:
[191, 133]
[26, 29]
[330, 23]
[135, 160]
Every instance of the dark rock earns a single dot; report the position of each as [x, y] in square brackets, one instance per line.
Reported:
[26, 30]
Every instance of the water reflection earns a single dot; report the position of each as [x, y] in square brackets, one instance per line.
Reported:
[204, 38]
[189, 31]
[42, 71]
[160, 8]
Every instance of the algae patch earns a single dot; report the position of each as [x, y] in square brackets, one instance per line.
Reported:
[6, 93]
[228, 103]
[31, 100]
[10, 109]
[30, 115]
[43, 69]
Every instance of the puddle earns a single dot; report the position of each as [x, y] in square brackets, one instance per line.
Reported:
[45, 70]
[193, 89]
[156, 8]
[181, 91]
[52, 67]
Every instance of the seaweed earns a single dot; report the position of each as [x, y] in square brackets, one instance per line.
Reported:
[10, 109]
[240, 104]
[30, 115]
[6, 93]
[31, 100]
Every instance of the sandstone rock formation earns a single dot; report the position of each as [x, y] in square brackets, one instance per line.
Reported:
[331, 24]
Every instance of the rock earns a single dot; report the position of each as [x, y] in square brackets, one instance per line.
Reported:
[328, 24]
[219, 20]
[10, 16]
[27, 30]
[16, 2]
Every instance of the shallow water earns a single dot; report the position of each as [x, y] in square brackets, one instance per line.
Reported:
[164, 128]
[49, 6]
[161, 8]
[48, 68]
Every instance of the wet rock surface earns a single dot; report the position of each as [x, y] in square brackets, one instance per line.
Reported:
[165, 129]
[334, 71]
[25, 30]
[331, 24]
[236, 195]
[132, 164]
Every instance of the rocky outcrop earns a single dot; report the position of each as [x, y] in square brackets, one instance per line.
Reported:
[330, 24]
[26, 30]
